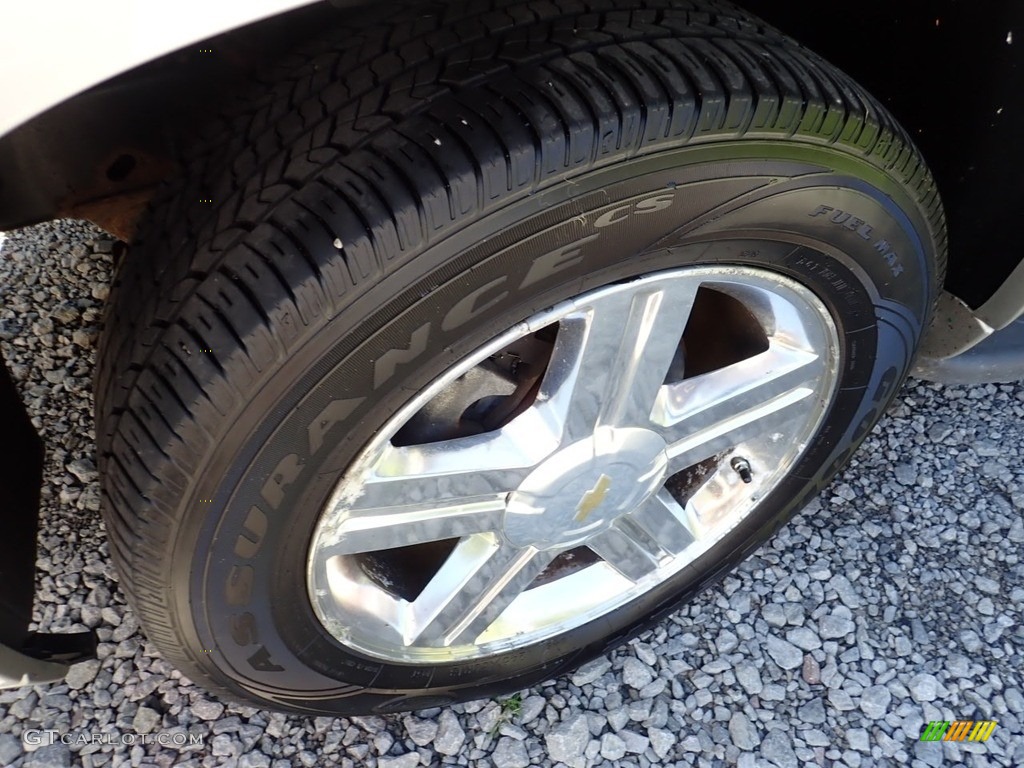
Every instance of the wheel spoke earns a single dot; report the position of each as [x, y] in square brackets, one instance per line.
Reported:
[629, 549]
[703, 416]
[653, 330]
[521, 444]
[611, 357]
[402, 527]
[574, 384]
[450, 470]
[666, 521]
[430, 491]
[477, 582]
[420, 493]
[637, 544]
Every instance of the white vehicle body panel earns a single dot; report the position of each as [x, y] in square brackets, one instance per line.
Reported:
[55, 49]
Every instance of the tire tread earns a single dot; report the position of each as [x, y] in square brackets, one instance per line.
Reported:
[339, 134]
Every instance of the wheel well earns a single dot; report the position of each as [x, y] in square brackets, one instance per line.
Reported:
[951, 73]
[100, 154]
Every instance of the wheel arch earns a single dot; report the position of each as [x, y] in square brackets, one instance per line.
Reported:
[100, 154]
[950, 72]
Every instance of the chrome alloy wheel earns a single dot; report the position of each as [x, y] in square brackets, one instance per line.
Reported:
[572, 464]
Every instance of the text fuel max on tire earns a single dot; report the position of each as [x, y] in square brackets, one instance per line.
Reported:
[477, 336]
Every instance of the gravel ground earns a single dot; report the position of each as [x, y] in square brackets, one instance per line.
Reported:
[894, 600]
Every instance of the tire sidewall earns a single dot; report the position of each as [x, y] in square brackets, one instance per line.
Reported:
[241, 581]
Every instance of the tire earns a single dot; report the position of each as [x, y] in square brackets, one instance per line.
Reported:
[409, 189]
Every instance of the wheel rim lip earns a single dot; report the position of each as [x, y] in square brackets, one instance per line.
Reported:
[347, 619]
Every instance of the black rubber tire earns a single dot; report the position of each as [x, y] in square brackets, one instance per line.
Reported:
[401, 165]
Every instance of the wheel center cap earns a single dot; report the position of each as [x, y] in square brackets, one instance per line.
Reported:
[584, 487]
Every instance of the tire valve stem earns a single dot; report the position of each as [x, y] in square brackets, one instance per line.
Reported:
[742, 468]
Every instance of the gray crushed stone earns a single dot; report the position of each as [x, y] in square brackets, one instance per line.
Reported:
[896, 598]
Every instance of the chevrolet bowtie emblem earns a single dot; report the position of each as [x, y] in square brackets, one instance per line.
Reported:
[592, 499]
